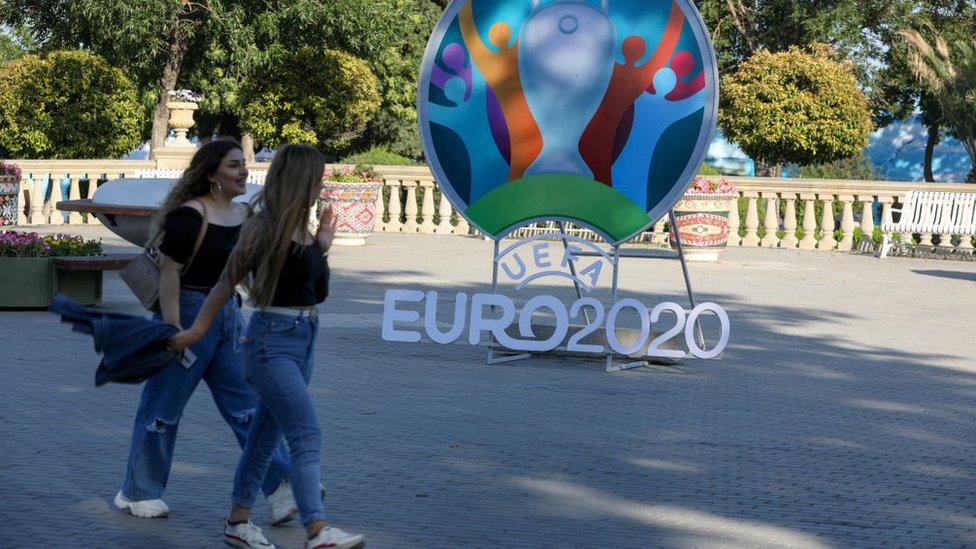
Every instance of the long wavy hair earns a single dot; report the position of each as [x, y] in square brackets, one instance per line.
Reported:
[195, 181]
[283, 208]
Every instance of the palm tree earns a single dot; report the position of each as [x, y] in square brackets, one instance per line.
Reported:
[949, 74]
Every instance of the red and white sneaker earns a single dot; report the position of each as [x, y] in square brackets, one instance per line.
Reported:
[245, 535]
[331, 537]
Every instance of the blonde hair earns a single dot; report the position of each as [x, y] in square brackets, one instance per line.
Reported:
[284, 206]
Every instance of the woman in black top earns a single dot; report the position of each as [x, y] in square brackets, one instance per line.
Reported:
[280, 260]
[217, 174]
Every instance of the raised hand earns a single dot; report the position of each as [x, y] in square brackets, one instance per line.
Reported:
[328, 221]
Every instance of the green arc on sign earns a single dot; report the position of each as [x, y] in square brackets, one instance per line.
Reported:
[557, 195]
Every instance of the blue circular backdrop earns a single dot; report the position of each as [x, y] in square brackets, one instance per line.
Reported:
[594, 112]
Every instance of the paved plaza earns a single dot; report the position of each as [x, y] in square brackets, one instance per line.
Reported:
[842, 414]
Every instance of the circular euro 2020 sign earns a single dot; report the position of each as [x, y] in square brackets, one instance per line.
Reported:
[595, 112]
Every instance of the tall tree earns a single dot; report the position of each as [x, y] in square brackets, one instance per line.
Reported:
[148, 39]
[949, 73]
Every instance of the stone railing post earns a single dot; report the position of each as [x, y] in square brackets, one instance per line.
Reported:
[22, 202]
[771, 222]
[444, 212]
[53, 215]
[380, 209]
[660, 235]
[867, 218]
[462, 228]
[74, 193]
[427, 211]
[827, 240]
[394, 207]
[846, 223]
[752, 220]
[789, 221]
[734, 238]
[809, 240]
[410, 224]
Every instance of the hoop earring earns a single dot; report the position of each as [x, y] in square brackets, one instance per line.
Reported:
[215, 189]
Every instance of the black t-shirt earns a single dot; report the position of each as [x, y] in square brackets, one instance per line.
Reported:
[304, 278]
[181, 229]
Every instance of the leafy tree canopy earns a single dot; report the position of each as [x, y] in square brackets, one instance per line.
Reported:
[795, 106]
[67, 104]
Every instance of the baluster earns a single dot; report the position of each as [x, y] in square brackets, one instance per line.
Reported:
[55, 217]
[789, 222]
[946, 220]
[394, 225]
[734, 238]
[21, 201]
[867, 218]
[427, 212]
[462, 228]
[809, 240]
[380, 209]
[752, 220]
[660, 236]
[771, 223]
[410, 224]
[36, 199]
[846, 223]
[74, 193]
[827, 240]
[444, 215]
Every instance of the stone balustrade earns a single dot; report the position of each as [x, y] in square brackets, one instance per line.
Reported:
[772, 212]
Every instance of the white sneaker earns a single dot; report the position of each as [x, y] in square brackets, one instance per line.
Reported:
[281, 503]
[246, 536]
[331, 537]
[149, 508]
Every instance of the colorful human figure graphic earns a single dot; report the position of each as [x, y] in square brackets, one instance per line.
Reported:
[682, 64]
[653, 114]
[467, 119]
[628, 82]
[499, 66]
[566, 53]
[454, 59]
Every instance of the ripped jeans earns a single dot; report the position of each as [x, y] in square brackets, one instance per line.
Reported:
[219, 362]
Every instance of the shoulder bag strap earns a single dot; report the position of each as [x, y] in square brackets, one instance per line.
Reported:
[200, 236]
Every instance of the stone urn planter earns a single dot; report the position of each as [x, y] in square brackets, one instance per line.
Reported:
[9, 199]
[352, 196]
[703, 219]
[181, 120]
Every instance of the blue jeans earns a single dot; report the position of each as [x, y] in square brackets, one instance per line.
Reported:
[278, 358]
[219, 362]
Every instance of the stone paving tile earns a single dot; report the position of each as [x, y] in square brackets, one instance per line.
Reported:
[842, 415]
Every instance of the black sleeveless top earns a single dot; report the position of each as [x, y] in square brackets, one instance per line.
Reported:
[181, 228]
[304, 278]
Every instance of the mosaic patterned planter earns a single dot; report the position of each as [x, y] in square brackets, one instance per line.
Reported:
[355, 206]
[703, 221]
[9, 199]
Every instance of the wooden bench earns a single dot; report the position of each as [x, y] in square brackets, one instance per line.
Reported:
[925, 212]
[80, 278]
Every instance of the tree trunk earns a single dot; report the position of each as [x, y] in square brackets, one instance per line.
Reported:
[247, 143]
[930, 144]
[175, 52]
[764, 169]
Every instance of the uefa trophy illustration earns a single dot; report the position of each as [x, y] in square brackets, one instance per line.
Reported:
[566, 57]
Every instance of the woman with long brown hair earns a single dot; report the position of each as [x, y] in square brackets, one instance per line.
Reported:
[200, 205]
[281, 262]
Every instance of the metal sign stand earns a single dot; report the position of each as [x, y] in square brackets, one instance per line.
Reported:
[611, 364]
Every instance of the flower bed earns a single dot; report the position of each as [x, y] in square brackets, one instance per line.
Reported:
[30, 280]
